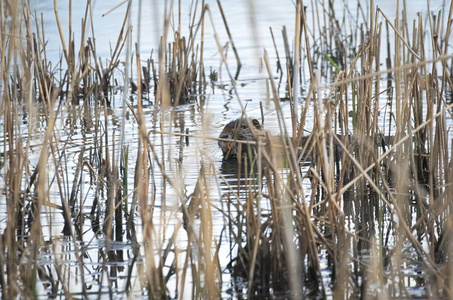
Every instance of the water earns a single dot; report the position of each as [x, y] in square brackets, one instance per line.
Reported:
[107, 265]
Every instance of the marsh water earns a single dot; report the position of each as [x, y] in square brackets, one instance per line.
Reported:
[107, 265]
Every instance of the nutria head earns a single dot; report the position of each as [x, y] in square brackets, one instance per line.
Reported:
[238, 130]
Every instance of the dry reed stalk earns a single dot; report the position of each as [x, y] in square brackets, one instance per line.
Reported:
[367, 122]
[14, 159]
[35, 57]
[399, 193]
[236, 55]
[182, 65]
[152, 275]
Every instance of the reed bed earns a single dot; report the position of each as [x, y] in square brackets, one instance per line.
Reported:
[368, 198]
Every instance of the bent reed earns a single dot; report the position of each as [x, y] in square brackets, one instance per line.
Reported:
[372, 222]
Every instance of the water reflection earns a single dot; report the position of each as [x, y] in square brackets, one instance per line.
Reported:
[116, 217]
[109, 271]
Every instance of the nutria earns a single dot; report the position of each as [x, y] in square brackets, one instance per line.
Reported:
[239, 130]
[249, 130]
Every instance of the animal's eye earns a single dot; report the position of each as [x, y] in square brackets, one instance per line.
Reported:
[243, 127]
[256, 123]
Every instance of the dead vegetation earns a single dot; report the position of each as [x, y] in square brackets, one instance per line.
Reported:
[377, 211]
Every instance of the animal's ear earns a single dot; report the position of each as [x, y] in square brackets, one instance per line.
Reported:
[256, 123]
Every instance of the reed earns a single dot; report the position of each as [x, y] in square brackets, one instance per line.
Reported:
[367, 198]
[384, 180]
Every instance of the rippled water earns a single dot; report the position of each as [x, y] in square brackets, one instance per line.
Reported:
[107, 264]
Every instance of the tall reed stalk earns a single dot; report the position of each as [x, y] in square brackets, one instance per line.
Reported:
[346, 214]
